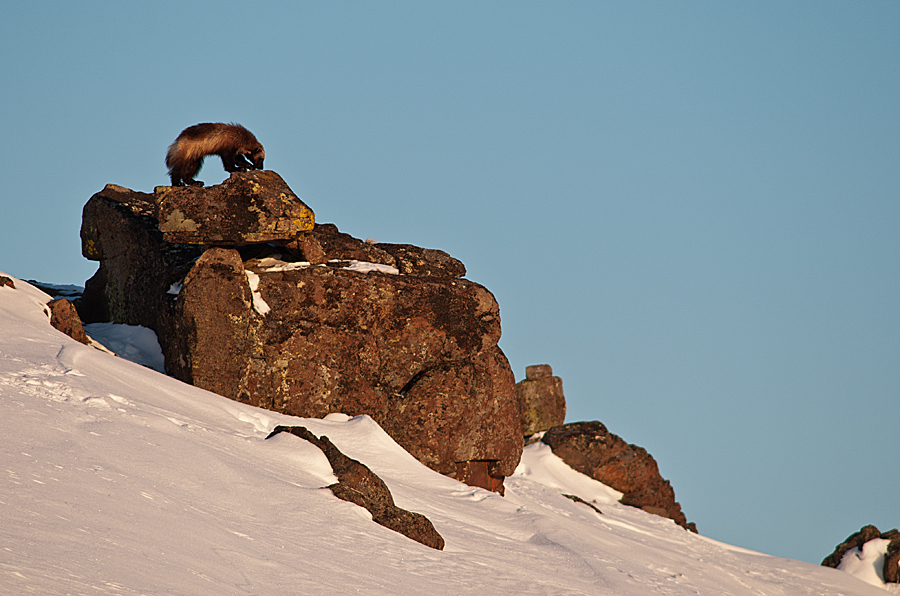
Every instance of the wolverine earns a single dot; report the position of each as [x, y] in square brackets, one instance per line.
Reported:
[238, 148]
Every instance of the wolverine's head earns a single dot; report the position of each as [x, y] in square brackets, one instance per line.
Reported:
[256, 155]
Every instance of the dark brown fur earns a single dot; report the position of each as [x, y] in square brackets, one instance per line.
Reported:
[238, 148]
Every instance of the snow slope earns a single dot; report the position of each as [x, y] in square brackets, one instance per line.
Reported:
[120, 480]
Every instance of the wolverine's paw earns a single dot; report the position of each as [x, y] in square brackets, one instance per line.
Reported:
[195, 183]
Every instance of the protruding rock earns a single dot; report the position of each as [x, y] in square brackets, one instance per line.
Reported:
[857, 540]
[541, 400]
[211, 331]
[248, 208]
[412, 260]
[325, 242]
[592, 450]
[64, 317]
[484, 474]
[137, 267]
[360, 485]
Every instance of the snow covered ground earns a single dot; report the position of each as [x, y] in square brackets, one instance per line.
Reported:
[120, 480]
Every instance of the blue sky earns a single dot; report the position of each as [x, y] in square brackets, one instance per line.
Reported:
[690, 210]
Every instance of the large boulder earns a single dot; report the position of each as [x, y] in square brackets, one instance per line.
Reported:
[857, 540]
[591, 449]
[541, 399]
[316, 323]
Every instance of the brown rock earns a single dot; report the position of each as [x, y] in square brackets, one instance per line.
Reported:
[855, 540]
[419, 355]
[137, 268]
[412, 260]
[591, 449]
[418, 352]
[64, 317]
[212, 324]
[248, 208]
[891, 571]
[892, 561]
[308, 248]
[338, 246]
[358, 484]
[541, 400]
[482, 474]
[7, 282]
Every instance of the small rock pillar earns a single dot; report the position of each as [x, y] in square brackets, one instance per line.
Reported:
[541, 400]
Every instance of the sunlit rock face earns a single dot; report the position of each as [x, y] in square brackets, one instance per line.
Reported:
[310, 322]
[591, 449]
[541, 400]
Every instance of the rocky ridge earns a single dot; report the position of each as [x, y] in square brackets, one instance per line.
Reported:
[253, 300]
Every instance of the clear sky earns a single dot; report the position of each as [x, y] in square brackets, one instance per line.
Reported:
[691, 210]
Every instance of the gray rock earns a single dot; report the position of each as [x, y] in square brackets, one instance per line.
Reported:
[541, 400]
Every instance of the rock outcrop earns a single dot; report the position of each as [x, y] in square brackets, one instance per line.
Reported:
[857, 540]
[309, 322]
[591, 449]
[541, 400]
[358, 484]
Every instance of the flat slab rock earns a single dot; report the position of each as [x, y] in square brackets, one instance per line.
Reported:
[248, 208]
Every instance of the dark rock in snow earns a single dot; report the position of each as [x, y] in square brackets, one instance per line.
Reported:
[286, 326]
[591, 449]
[578, 499]
[7, 282]
[541, 400]
[64, 317]
[859, 539]
[359, 485]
